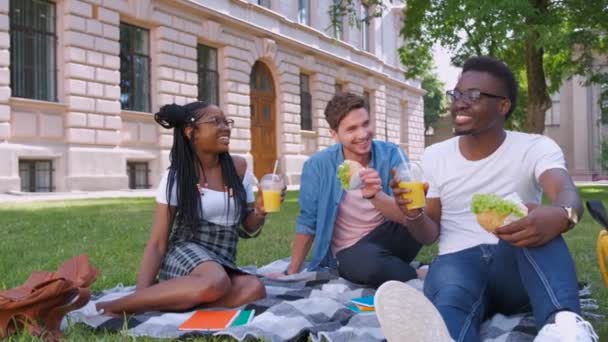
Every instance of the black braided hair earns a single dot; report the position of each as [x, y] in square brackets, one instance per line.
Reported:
[183, 171]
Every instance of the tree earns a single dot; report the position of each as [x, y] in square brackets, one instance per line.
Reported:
[434, 103]
[543, 41]
[345, 11]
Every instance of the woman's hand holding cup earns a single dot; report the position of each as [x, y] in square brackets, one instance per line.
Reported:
[272, 188]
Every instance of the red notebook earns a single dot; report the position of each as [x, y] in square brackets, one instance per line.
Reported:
[210, 320]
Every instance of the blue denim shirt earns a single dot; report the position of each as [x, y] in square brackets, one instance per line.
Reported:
[321, 193]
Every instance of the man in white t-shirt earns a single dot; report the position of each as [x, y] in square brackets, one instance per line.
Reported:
[525, 265]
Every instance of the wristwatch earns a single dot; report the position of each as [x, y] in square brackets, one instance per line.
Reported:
[572, 217]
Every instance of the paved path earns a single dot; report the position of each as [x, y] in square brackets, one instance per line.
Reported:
[23, 197]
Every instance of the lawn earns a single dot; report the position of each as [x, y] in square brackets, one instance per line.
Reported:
[113, 233]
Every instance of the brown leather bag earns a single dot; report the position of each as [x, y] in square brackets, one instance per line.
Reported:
[39, 305]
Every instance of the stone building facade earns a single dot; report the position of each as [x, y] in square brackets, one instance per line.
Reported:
[81, 79]
[577, 124]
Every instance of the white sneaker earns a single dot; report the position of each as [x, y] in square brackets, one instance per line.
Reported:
[568, 327]
[405, 314]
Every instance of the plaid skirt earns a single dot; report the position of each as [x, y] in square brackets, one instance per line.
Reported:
[209, 242]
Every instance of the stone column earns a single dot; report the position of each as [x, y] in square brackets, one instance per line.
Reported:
[5, 75]
[91, 91]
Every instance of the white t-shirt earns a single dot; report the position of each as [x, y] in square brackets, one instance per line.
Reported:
[213, 202]
[514, 167]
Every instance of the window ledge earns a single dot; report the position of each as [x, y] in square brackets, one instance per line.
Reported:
[132, 114]
[310, 134]
[37, 104]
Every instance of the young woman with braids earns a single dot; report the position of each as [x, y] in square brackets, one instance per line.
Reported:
[204, 203]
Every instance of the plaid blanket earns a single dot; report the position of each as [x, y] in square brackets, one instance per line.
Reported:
[308, 304]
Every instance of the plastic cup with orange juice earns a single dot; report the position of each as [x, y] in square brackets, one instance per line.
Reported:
[410, 177]
[271, 185]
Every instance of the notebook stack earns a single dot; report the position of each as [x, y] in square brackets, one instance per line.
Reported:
[216, 320]
[362, 304]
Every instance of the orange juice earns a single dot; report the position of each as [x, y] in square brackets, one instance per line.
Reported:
[272, 201]
[416, 194]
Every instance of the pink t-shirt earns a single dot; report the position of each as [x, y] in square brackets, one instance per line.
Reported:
[356, 218]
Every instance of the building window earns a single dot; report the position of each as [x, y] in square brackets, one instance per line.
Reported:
[367, 99]
[552, 114]
[305, 103]
[208, 76]
[264, 3]
[338, 88]
[33, 43]
[304, 12]
[36, 175]
[365, 27]
[134, 68]
[138, 175]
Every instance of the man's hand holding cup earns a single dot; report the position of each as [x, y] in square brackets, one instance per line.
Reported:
[409, 191]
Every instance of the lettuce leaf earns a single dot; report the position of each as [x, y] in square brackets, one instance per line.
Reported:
[486, 202]
[344, 175]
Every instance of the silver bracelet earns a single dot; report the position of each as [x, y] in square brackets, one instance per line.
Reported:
[415, 218]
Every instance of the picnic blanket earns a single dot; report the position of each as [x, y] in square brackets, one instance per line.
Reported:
[308, 304]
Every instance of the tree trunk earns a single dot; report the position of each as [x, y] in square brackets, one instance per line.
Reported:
[538, 99]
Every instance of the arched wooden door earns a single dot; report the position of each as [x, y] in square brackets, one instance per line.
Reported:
[263, 120]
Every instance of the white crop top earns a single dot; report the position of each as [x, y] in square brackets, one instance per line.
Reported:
[214, 202]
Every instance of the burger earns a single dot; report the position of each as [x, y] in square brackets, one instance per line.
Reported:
[493, 211]
[348, 174]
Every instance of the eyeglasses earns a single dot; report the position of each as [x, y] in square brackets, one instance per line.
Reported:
[469, 96]
[217, 122]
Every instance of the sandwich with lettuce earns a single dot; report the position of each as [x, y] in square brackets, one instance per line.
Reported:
[348, 174]
[493, 211]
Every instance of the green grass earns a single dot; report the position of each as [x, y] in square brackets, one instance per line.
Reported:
[113, 232]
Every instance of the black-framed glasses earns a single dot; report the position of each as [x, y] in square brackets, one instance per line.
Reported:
[469, 96]
[217, 122]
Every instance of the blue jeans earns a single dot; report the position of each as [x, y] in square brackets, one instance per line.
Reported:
[470, 285]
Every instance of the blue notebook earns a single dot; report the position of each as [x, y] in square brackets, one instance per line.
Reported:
[364, 301]
[358, 310]
[244, 317]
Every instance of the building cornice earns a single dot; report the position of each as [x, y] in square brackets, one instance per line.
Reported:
[237, 12]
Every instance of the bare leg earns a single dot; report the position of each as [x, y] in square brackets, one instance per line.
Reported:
[245, 289]
[207, 283]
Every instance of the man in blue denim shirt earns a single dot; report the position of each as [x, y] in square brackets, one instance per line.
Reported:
[361, 229]
[522, 265]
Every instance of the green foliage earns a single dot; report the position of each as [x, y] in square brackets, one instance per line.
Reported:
[603, 100]
[342, 11]
[604, 154]
[434, 99]
[482, 203]
[344, 175]
[567, 33]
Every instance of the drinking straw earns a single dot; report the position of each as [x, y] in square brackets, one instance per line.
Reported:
[274, 171]
[403, 158]
[406, 165]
